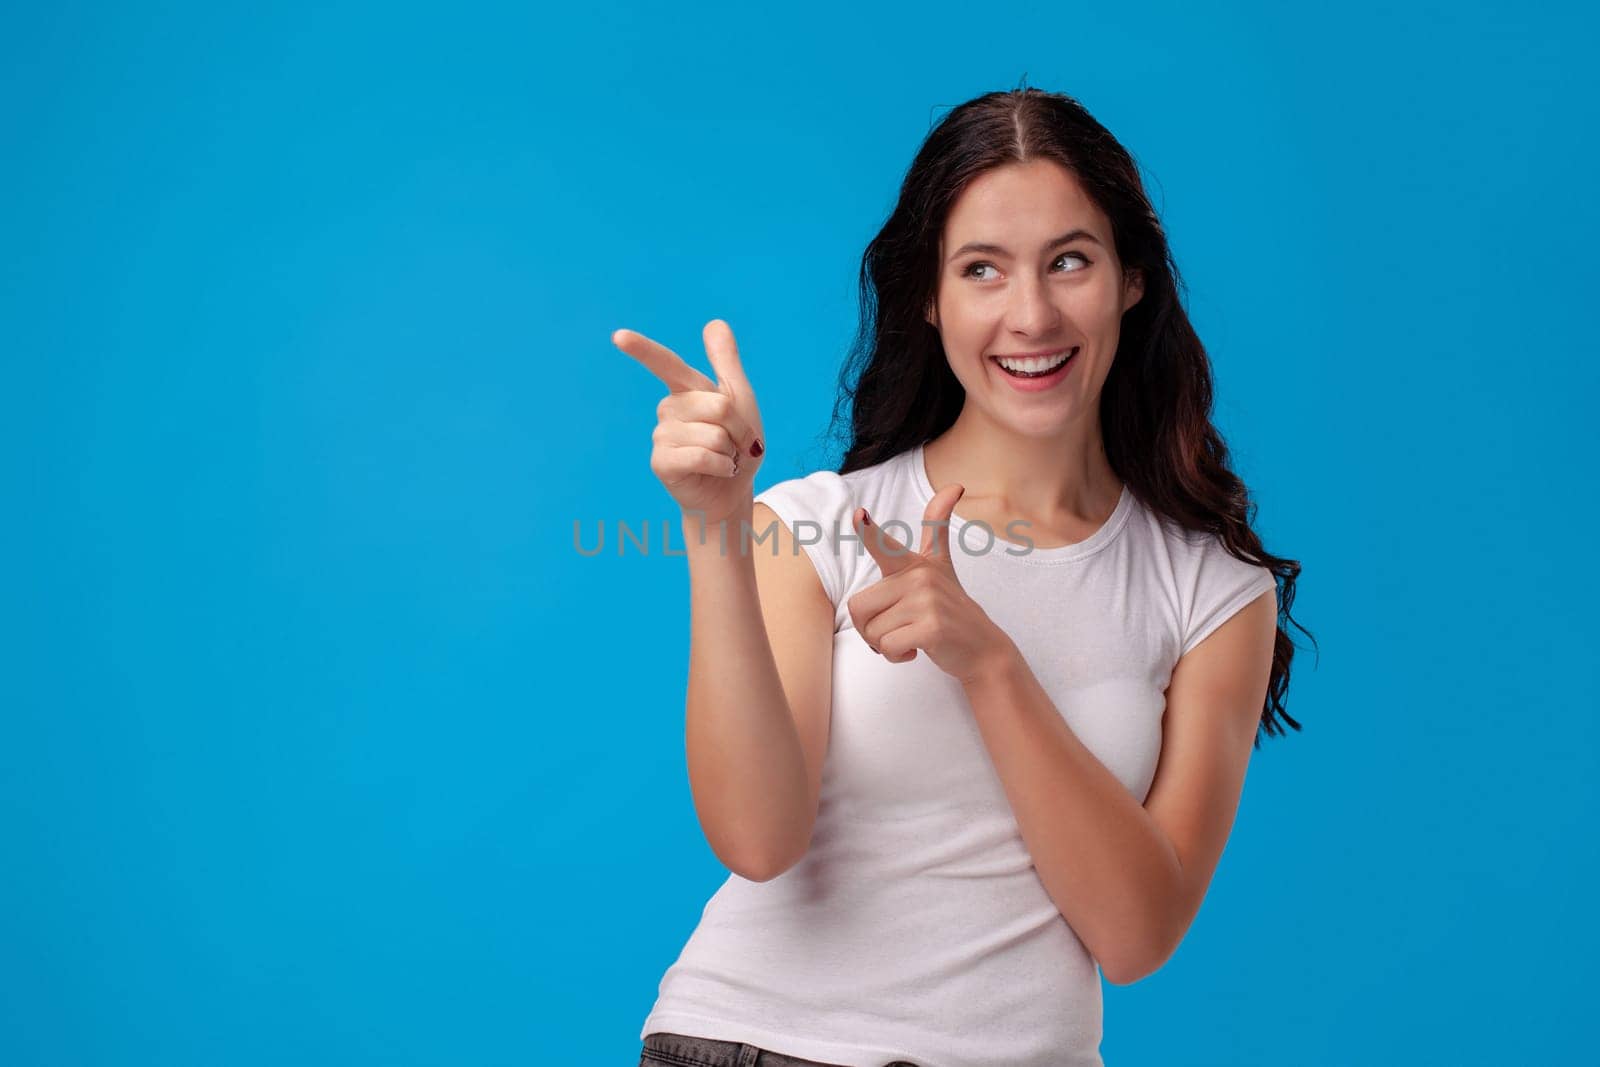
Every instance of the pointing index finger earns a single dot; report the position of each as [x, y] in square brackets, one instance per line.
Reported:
[891, 555]
[662, 361]
[936, 521]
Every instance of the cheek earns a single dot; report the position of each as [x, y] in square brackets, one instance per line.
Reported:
[973, 329]
[1094, 305]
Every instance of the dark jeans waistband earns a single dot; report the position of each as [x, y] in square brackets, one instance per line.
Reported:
[662, 1049]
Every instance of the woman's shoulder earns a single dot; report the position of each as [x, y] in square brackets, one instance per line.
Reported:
[819, 510]
[1205, 579]
[1195, 557]
[819, 493]
[827, 492]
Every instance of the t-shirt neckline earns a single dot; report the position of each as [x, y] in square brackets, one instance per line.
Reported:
[985, 541]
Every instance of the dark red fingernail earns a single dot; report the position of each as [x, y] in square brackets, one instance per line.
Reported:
[866, 520]
[755, 447]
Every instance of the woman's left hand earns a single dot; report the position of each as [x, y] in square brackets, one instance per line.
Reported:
[920, 602]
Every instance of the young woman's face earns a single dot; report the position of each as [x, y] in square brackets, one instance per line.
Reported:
[1027, 294]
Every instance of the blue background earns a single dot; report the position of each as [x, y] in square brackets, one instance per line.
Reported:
[324, 745]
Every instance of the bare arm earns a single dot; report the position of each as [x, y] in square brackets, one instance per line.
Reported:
[1130, 878]
[760, 681]
[761, 626]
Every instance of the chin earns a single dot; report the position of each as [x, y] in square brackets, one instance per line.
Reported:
[1038, 423]
[1042, 429]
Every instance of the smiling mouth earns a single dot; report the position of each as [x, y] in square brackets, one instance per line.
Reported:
[1035, 367]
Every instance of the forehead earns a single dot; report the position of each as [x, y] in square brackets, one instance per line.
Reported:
[1040, 197]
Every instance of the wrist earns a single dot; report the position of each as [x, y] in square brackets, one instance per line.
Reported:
[727, 535]
[999, 664]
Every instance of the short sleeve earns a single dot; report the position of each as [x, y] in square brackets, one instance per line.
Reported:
[1223, 585]
[816, 509]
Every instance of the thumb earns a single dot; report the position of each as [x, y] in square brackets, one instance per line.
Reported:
[936, 522]
[723, 351]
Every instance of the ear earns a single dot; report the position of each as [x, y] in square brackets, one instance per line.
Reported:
[932, 315]
[1134, 290]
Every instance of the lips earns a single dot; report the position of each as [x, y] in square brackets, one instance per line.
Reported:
[1041, 354]
[1041, 381]
[1035, 364]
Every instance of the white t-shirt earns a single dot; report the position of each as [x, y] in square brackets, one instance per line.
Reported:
[915, 927]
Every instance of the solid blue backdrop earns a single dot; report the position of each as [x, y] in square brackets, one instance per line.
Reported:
[323, 745]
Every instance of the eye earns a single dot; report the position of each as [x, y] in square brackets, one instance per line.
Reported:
[967, 273]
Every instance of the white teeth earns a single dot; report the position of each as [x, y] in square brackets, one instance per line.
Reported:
[1032, 365]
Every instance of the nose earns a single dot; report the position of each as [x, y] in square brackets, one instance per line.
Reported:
[1030, 312]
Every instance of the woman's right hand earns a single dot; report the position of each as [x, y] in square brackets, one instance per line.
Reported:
[708, 433]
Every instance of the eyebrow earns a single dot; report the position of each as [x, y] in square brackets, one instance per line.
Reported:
[996, 250]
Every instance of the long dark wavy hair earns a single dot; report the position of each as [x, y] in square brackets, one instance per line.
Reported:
[1155, 407]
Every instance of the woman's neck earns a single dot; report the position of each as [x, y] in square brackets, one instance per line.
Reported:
[1060, 481]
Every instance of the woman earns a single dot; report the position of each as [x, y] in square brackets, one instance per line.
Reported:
[983, 739]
